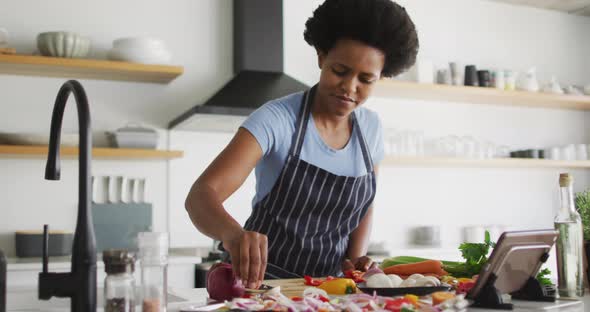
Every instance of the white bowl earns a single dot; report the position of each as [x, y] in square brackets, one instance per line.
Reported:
[66, 139]
[138, 43]
[63, 44]
[145, 56]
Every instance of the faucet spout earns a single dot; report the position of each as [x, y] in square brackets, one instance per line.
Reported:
[80, 283]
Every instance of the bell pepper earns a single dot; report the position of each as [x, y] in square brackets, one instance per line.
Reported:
[355, 275]
[339, 286]
[310, 281]
[399, 304]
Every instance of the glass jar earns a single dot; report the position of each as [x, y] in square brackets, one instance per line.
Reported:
[119, 284]
[153, 252]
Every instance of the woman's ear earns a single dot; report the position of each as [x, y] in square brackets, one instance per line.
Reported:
[321, 58]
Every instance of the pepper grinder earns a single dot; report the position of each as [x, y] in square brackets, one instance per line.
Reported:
[2, 282]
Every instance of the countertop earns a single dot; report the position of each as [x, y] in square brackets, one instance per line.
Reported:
[196, 298]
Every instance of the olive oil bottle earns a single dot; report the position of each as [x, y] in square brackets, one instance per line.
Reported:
[569, 247]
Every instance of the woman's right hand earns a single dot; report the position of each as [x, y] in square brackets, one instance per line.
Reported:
[248, 252]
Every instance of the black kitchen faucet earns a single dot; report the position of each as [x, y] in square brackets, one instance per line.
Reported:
[80, 283]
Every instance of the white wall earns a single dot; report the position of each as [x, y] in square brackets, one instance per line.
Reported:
[199, 35]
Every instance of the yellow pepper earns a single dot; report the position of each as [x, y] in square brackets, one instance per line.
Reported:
[413, 299]
[339, 286]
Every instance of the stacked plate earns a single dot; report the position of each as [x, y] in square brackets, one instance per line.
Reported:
[140, 50]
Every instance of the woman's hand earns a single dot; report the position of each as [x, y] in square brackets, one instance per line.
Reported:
[248, 251]
[361, 263]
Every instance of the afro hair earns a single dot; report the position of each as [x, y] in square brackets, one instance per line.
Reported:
[382, 24]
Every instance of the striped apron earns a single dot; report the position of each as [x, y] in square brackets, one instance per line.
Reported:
[309, 213]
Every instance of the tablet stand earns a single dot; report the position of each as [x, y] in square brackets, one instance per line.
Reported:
[491, 298]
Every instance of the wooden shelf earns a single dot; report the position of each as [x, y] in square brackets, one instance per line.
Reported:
[30, 65]
[478, 95]
[26, 151]
[482, 163]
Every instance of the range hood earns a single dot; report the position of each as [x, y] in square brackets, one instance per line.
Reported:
[258, 65]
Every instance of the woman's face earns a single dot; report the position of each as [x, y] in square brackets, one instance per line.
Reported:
[349, 72]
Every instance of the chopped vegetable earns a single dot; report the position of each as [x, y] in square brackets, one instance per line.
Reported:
[339, 286]
[441, 296]
[355, 275]
[380, 280]
[427, 266]
[310, 281]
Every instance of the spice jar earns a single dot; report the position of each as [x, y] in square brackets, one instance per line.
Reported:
[119, 284]
[153, 253]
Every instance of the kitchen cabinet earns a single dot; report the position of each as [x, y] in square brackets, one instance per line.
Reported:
[27, 151]
[30, 65]
[478, 95]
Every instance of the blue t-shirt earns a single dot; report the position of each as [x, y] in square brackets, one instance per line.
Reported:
[273, 126]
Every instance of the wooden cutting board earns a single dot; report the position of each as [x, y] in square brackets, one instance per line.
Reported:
[289, 287]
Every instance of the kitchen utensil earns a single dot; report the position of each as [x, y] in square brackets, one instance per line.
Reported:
[553, 86]
[443, 76]
[140, 50]
[497, 79]
[29, 243]
[400, 291]
[529, 81]
[66, 139]
[63, 44]
[471, 75]
[135, 136]
[510, 80]
[456, 76]
[100, 189]
[483, 78]
[428, 235]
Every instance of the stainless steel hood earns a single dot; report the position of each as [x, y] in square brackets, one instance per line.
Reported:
[258, 64]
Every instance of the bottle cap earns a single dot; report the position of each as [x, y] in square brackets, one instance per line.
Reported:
[565, 179]
[118, 261]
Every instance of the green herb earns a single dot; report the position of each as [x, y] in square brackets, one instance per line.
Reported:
[583, 207]
[475, 255]
[543, 277]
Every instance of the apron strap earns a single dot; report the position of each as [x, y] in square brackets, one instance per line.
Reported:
[304, 114]
[364, 146]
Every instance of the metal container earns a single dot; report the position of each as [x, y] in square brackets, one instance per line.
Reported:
[30, 243]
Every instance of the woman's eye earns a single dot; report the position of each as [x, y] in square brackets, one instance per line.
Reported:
[339, 72]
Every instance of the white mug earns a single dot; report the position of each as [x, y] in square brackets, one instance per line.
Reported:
[127, 190]
[138, 190]
[99, 189]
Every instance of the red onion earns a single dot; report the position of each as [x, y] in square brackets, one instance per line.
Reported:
[222, 283]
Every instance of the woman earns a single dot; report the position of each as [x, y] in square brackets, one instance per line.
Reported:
[314, 153]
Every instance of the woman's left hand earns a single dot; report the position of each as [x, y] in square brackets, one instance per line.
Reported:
[361, 263]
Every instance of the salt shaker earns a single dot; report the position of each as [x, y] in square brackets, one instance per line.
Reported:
[119, 285]
[153, 253]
